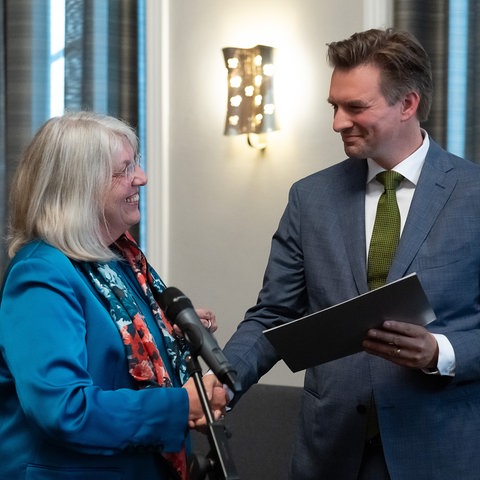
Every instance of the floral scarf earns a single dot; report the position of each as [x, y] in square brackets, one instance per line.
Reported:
[144, 361]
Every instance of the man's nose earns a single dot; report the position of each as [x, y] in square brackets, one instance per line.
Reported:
[341, 120]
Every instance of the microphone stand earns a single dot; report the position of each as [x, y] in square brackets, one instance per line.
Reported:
[218, 464]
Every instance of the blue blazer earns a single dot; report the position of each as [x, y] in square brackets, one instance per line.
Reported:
[68, 407]
[430, 425]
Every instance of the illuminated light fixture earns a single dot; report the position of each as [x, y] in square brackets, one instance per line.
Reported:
[250, 105]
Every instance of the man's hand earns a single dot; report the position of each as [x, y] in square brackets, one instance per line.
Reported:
[404, 344]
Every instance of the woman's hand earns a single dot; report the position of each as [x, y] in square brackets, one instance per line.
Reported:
[207, 317]
[217, 398]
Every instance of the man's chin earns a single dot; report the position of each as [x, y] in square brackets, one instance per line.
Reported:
[353, 152]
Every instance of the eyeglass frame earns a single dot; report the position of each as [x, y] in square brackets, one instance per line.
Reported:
[129, 171]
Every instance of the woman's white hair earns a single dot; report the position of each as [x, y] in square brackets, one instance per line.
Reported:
[58, 192]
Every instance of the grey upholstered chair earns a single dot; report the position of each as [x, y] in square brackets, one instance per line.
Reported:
[262, 426]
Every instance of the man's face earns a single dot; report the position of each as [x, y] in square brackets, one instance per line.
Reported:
[369, 126]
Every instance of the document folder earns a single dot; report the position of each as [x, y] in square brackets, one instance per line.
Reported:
[339, 330]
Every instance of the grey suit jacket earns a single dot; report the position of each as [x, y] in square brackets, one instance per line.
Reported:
[430, 425]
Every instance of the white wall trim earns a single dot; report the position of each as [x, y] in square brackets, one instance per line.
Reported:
[157, 134]
[377, 13]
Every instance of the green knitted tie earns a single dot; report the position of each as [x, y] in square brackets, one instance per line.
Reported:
[386, 231]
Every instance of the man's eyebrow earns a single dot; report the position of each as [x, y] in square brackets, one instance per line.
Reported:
[349, 103]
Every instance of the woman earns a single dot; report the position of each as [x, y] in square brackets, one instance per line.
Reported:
[84, 347]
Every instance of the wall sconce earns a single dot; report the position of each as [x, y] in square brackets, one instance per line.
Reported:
[250, 105]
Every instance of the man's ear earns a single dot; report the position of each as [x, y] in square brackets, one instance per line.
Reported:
[410, 105]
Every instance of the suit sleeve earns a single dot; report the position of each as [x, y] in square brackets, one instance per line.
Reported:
[281, 299]
[42, 338]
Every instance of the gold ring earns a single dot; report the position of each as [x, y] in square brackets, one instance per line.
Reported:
[397, 352]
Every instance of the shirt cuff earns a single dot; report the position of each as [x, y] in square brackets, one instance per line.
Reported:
[446, 357]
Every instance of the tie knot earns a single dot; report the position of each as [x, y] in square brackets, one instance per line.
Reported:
[390, 179]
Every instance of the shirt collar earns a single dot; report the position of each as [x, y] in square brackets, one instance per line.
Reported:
[410, 168]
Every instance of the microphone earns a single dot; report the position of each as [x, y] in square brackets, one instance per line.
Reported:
[179, 310]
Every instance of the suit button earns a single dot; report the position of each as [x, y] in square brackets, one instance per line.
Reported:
[362, 409]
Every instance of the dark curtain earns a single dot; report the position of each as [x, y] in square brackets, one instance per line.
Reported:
[101, 72]
[429, 21]
[101, 59]
[472, 122]
[24, 82]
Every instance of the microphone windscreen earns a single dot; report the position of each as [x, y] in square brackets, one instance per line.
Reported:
[172, 301]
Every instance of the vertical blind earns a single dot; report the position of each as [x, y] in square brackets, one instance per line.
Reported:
[449, 32]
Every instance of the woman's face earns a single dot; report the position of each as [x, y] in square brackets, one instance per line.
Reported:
[122, 200]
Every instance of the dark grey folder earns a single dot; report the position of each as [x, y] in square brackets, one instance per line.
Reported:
[338, 331]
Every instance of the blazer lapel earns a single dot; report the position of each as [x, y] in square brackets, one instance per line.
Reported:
[435, 185]
[350, 205]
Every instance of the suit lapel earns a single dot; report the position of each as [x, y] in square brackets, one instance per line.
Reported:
[350, 204]
[435, 185]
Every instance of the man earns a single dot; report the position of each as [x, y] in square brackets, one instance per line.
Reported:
[422, 385]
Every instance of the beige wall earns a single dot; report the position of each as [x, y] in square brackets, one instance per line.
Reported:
[213, 201]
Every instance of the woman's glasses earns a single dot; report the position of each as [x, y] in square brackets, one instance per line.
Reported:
[129, 171]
